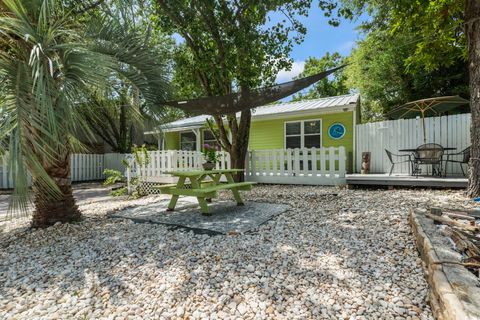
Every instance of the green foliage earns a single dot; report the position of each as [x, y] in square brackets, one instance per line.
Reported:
[435, 27]
[49, 62]
[412, 50]
[210, 153]
[119, 192]
[112, 177]
[333, 85]
[227, 43]
[378, 70]
[141, 155]
[231, 46]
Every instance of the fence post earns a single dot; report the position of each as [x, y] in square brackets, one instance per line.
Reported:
[341, 161]
[331, 162]
[296, 163]
[314, 161]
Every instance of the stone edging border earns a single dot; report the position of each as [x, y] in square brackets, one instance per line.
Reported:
[454, 291]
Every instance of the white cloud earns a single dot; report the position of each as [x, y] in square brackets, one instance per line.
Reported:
[287, 75]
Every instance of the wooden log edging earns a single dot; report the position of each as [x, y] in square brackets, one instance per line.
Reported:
[454, 291]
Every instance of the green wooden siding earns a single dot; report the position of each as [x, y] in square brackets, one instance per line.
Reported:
[172, 141]
[270, 134]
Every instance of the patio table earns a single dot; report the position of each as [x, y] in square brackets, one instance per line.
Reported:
[204, 189]
[428, 149]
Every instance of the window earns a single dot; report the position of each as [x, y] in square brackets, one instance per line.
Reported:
[209, 138]
[188, 141]
[303, 134]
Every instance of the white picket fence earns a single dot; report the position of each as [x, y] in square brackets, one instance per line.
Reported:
[449, 131]
[313, 166]
[173, 160]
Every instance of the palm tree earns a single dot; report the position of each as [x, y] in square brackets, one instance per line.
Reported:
[49, 63]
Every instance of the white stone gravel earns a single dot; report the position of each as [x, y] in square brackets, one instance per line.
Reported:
[350, 256]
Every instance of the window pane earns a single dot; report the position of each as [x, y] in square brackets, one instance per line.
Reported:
[312, 127]
[292, 128]
[187, 137]
[293, 142]
[210, 142]
[208, 135]
[312, 141]
[188, 146]
[188, 141]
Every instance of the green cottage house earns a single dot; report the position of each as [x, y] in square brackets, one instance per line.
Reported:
[325, 122]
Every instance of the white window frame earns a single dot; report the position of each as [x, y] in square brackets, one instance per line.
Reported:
[302, 132]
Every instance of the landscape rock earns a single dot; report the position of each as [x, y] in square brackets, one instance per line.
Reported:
[336, 254]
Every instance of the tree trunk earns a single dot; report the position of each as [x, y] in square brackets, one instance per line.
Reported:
[48, 209]
[472, 30]
[239, 146]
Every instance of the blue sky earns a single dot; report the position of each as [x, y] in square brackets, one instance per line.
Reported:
[321, 38]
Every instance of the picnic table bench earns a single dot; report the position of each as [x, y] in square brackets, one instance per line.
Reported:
[203, 190]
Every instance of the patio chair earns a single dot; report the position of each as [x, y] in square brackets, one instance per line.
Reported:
[391, 156]
[428, 154]
[462, 157]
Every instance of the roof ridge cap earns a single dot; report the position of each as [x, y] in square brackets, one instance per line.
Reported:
[310, 100]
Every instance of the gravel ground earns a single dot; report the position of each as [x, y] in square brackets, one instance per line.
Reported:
[349, 256]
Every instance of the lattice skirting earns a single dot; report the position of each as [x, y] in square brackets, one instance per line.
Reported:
[148, 187]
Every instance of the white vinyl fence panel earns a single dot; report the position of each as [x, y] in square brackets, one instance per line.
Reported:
[314, 166]
[449, 131]
[6, 181]
[114, 161]
[84, 167]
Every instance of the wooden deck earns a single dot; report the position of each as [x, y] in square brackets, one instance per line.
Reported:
[406, 180]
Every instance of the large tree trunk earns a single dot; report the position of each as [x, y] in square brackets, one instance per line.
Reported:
[48, 209]
[239, 147]
[472, 30]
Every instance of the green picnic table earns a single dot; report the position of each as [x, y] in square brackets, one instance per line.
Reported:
[204, 189]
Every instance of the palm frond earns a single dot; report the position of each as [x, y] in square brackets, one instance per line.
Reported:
[49, 65]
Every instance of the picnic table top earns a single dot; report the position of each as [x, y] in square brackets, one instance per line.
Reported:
[194, 173]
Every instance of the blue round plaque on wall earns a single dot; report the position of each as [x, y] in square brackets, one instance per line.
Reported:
[336, 131]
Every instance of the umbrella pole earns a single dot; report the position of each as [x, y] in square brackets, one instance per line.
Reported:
[424, 130]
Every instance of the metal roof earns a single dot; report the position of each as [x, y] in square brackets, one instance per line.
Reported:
[275, 109]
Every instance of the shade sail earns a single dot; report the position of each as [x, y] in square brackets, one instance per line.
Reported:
[239, 101]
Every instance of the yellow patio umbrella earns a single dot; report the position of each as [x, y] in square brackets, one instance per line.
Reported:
[427, 108]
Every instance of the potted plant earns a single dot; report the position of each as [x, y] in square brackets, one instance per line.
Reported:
[211, 156]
